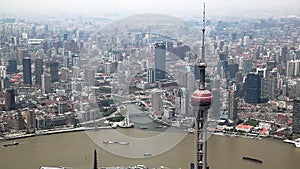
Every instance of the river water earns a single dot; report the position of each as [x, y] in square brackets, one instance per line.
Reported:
[76, 150]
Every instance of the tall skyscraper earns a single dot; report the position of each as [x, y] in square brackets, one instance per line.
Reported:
[46, 83]
[89, 76]
[268, 88]
[12, 66]
[75, 60]
[298, 87]
[108, 68]
[223, 64]
[38, 71]
[247, 66]
[75, 72]
[216, 93]
[4, 83]
[196, 72]
[67, 59]
[150, 75]
[2, 72]
[216, 105]
[293, 68]
[190, 81]
[296, 116]
[201, 101]
[252, 88]
[182, 101]
[156, 101]
[10, 102]
[30, 119]
[27, 75]
[232, 70]
[160, 60]
[20, 122]
[54, 71]
[22, 53]
[64, 74]
[232, 104]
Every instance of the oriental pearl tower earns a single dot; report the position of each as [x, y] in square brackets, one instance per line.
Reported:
[201, 100]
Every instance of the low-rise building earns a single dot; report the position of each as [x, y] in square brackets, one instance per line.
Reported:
[244, 128]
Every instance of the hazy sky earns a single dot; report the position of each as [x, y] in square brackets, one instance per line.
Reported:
[193, 7]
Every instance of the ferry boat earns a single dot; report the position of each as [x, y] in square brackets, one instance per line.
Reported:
[252, 159]
[115, 142]
[147, 154]
[123, 143]
[144, 127]
[11, 144]
[108, 142]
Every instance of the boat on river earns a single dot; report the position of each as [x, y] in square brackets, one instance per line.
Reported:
[123, 143]
[11, 144]
[108, 142]
[252, 159]
[147, 154]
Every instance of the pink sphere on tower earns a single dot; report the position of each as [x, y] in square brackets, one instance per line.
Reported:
[201, 99]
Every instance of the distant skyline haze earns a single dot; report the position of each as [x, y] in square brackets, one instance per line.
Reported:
[125, 7]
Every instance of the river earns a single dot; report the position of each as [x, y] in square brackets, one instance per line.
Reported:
[76, 150]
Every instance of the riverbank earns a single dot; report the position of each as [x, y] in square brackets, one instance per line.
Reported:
[19, 135]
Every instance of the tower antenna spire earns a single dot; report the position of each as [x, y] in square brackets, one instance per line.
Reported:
[201, 62]
[203, 35]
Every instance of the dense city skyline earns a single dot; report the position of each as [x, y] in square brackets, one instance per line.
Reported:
[216, 8]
